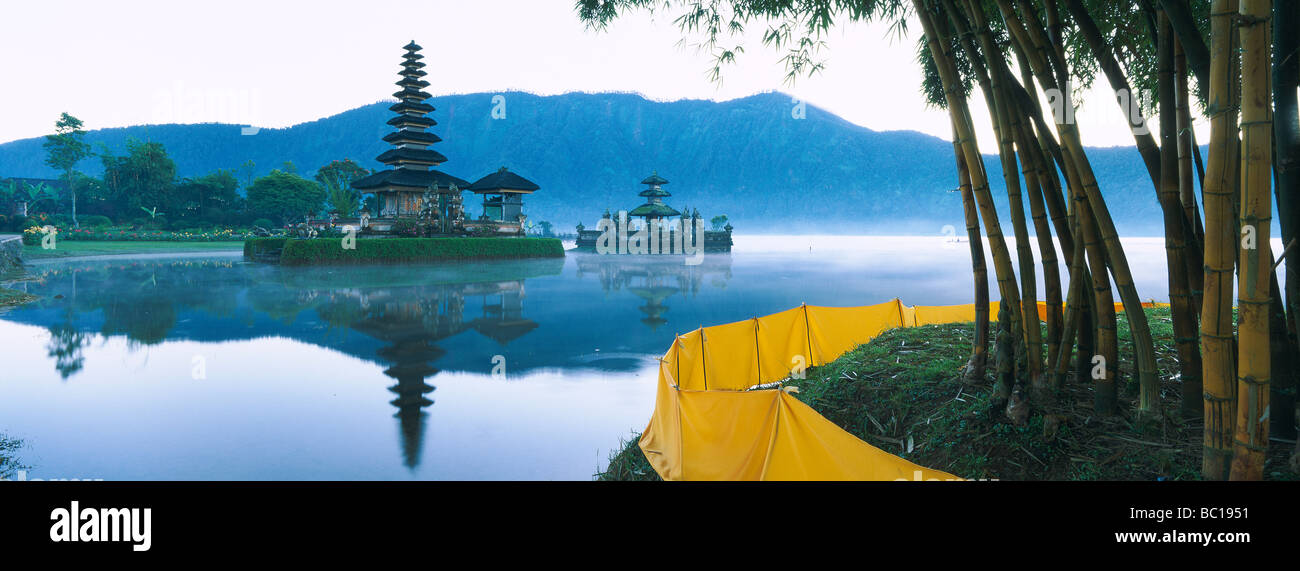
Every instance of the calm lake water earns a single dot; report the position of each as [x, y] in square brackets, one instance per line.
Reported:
[212, 368]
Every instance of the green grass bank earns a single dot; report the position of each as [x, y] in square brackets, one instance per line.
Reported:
[73, 248]
[398, 250]
[13, 298]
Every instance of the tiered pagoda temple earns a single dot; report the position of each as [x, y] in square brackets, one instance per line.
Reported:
[412, 188]
[654, 207]
[674, 226]
[399, 190]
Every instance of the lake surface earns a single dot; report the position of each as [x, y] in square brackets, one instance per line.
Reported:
[212, 368]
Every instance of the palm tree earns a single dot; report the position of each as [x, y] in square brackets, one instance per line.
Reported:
[13, 192]
[37, 193]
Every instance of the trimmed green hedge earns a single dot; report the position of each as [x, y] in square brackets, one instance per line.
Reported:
[330, 251]
[253, 246]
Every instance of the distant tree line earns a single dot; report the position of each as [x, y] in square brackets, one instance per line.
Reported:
[140, 188]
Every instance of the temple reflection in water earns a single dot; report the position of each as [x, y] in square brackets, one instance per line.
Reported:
[149, 302]
[412, 322]
[654, 280]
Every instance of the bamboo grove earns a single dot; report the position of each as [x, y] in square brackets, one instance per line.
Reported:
[1235, 63]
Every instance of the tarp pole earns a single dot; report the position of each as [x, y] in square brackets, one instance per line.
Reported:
[807, 335]
[704, 360]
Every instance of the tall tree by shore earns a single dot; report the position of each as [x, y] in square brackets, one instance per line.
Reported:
[64, 149]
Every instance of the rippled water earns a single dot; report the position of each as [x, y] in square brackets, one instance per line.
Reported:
[211, 368]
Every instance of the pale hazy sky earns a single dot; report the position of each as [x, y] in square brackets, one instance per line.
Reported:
[278, 63]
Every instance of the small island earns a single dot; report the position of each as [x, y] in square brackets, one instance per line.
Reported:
[655, 228]
[420, 211]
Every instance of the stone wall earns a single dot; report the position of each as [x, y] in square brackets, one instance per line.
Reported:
[11, 253]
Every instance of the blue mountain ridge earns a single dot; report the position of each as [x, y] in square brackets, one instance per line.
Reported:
[748, 158]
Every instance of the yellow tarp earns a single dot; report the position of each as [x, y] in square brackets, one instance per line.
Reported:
[707, 426]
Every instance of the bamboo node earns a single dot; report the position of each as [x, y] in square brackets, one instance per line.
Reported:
[1251, 380]
[1249, 446]
[1250, 19]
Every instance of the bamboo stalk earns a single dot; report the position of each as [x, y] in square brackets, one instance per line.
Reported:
[960, 115]
[1105, 56]
[1187, 180]
[993, 81]
[1034, 178]
[1251, 434]
[1029, 39]
[1180, 17]
[1073, 316]
[1057, 207]
[1286, 170]
[1176, 226]
[1220, 246]
[976, 366]
[1281, 398]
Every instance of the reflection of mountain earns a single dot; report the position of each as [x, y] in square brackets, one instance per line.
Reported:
[211, 300]
[411, 322]
[397, 325]
[653, 279]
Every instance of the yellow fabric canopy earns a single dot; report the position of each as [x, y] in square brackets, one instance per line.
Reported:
[709, 425]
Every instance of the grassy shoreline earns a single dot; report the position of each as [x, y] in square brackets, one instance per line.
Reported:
[78, 248]
[14, 298]
[905, 386]
[406, 250]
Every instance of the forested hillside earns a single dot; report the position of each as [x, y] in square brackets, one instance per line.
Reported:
[749, 158]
